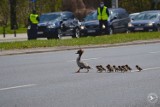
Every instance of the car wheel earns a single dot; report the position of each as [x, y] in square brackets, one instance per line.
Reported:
[59, 34]
[76, 33]
[110, 31]
[50, 37]
[128, 31]
[158, 29]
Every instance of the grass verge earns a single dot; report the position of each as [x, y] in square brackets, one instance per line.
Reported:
[112, 39]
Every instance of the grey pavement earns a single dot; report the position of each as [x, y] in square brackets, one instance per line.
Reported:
[48, 79]
[11, 37]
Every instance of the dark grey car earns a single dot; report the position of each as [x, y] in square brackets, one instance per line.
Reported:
[56, 25]
[118, 22]
[145, 21]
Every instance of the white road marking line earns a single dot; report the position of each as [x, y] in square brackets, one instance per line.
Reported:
[146, 69]
[15, 87]
[154, 52]
[151, 68]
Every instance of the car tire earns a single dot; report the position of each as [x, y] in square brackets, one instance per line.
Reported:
[110, 31]
[50, 37]
[158, 29]
[59, 34]
[76, 33]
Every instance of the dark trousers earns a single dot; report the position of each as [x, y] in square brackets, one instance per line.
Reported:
[33, 30]
[105, 23]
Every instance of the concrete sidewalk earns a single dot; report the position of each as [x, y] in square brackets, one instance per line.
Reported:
[11, 37]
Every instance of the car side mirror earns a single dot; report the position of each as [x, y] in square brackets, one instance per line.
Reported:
[115, 17]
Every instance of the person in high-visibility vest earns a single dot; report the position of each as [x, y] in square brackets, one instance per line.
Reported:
[33, 22]
[102, 16]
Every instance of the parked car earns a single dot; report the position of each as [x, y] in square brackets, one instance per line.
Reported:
[145, 21]
[118, 22]
[133, 15]
[56, 25]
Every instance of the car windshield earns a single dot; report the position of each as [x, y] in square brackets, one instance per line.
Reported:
[146, 16]
[49, 17]
[67, 16]
[133, 15]
[91, 16]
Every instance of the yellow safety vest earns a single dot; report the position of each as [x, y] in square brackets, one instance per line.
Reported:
[103, 15]
[33, 18]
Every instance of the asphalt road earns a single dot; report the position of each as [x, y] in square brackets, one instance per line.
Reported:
[48, 79]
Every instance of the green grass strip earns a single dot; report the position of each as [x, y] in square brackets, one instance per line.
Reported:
[90, 40]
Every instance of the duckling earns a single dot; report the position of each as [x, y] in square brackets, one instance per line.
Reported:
[116, 69]
[124, 68]
[139, 68]
[100, 68]
[81, 64]
[128, 67]
[120, 68]
[110, 68]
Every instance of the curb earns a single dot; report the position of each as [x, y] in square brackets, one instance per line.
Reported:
[64, 48]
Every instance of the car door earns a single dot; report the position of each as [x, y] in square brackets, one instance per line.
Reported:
[114, 23]
[123, 19]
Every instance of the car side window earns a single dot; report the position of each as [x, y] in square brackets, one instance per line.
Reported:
[113, 14]
[140, 16]
[122, 14]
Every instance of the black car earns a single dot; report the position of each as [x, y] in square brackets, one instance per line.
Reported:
[56, 25]
[145, 21]
[118, 22]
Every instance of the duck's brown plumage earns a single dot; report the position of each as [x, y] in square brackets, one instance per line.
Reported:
[110, 68]
[100, 68]
[128, 67]
[139, 68]
[81, 64]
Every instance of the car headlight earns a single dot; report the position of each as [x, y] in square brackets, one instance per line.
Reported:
[29, 27]
[150, 24]
[82, 27]
[51, 26]
[130, 25]
[103, 26]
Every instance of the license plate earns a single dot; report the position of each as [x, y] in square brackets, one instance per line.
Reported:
[39, 32]
[139, 29]
[91, 31]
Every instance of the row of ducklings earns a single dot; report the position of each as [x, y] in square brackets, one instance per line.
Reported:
[114, 68]
[100, 68]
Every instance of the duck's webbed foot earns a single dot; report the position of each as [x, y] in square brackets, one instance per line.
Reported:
[87, 70]
[78, 71]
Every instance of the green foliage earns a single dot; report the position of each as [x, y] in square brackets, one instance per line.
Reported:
[58, 5]
[24, 7]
